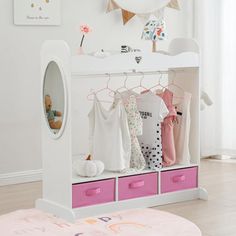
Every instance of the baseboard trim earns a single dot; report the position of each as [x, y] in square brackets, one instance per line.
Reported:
[20, 177]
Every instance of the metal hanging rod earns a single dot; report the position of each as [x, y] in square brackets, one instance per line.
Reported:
[129, 73]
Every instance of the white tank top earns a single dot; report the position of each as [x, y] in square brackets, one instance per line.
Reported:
[109, 136]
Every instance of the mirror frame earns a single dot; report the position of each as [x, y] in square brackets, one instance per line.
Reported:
[63, 78]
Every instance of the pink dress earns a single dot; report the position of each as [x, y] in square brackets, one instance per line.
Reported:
[167, 130]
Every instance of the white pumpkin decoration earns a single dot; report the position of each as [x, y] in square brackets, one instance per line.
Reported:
[88, 168]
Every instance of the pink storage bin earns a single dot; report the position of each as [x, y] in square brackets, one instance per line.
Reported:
[175, 180]
[138, 186]
[92, 193]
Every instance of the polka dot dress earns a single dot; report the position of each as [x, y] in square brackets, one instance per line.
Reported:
[153, 154]
[153, 111]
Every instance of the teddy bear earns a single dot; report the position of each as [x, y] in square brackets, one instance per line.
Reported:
[51, 114]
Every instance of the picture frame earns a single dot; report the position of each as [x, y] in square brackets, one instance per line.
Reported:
[37, 12]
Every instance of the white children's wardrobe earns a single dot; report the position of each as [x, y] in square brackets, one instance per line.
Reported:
[69, 196]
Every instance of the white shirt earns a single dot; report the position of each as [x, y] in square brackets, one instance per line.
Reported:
[109, 136]
[153, 110]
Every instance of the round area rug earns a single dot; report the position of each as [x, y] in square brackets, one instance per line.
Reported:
[136, 222]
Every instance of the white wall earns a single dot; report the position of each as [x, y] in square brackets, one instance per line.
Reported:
[53, 87]
[20, 68]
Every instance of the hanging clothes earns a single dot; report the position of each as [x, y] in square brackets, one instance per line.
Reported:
[109, 136]
[137, 161]
[167, 130]
[182, 130]
[153, 111]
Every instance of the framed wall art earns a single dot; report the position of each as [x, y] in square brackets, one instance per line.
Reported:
[37, 12]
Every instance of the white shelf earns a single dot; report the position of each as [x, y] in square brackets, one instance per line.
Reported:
[127, 63]
[108, 174]
[177, 166]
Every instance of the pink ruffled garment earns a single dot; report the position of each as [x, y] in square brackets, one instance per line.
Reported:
[167, 130]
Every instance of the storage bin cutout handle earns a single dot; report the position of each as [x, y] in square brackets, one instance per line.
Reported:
[137, 184]
[179, 178]
[93, 192]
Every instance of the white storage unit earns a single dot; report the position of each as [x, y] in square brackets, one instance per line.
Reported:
[70, 196]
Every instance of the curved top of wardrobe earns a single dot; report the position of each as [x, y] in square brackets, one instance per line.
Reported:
[182, 53]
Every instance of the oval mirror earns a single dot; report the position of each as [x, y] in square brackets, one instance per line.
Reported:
[142, 6]
[54, 99]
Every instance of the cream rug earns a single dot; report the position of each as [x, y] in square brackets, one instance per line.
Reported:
[137, 222]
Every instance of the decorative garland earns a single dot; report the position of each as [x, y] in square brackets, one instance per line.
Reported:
[128, 15]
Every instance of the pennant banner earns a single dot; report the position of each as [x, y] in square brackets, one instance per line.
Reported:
[112, 6]
[127, 15]
[145, 17]
[174, 4]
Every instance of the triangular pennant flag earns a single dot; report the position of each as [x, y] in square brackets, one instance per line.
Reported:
[159, 13]
[127, 15]
[112, 6]
[174, 4]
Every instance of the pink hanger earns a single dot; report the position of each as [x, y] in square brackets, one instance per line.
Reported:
[159, 83]
[140, 84]
[174, 85]
[100, 90]
[124, 85]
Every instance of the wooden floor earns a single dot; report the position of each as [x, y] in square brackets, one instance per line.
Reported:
[215, 217]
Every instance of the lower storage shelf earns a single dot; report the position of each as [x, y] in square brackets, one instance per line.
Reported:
[133, 186]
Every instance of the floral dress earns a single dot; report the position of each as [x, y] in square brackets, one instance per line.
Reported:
[135, 124]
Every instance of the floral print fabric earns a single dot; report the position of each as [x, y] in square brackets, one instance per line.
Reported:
[154, 30]
[135, 123]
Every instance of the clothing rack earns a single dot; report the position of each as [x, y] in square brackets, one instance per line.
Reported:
[129, 73]
[62, 188]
